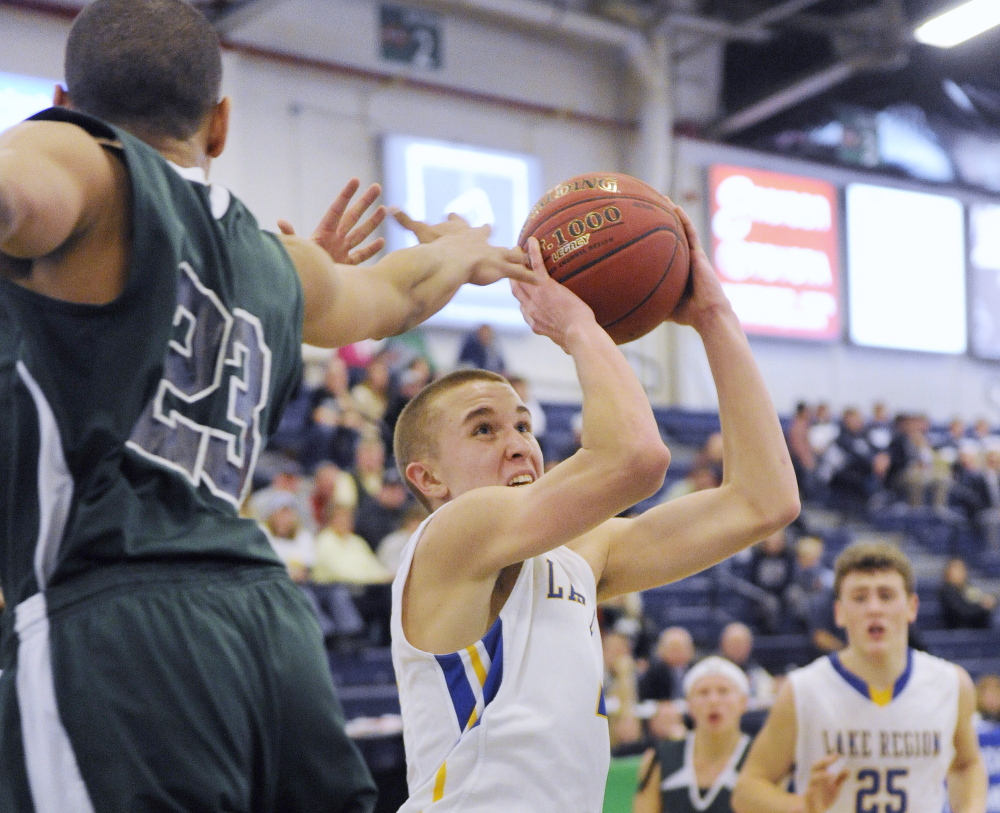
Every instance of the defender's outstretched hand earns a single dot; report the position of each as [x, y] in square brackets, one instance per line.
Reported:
[548, 307]
[339, 232]
[429, 232]
[494, 264]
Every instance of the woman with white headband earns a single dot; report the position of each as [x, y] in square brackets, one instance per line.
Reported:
[697, 774]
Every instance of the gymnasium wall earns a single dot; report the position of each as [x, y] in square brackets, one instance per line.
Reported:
[301, 129]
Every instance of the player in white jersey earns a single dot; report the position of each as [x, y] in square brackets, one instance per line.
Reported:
[877, 727]
[495, 641]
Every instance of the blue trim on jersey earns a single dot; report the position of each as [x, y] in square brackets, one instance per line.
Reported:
[493, 642]
[464, 696]
[862, 687]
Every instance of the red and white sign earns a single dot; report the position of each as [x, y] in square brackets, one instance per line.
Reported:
[775, 247]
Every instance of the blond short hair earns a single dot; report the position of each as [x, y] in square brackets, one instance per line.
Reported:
[415, 436]
[869, 557]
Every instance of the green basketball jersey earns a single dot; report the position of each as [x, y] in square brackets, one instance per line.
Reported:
[679, 791]
[130, 431]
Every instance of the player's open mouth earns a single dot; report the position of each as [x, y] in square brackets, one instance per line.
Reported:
[521, 480]
[876, 630]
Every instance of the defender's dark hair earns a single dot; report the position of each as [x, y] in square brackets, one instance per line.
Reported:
[149, 65]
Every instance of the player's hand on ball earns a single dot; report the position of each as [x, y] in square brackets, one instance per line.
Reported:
[549, 308]
[825, 781]
[704, 291]
[342, 231]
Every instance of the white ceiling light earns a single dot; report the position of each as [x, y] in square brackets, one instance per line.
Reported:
[959, 24]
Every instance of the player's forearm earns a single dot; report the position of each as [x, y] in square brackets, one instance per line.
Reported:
[345, 304]
[756, 460]
[417, 283]
[618, 422]
[967, 787]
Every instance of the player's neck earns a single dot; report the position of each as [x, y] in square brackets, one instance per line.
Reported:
[715, 747]
[878, 671]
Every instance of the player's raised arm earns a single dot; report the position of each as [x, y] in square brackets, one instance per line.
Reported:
[967, 780]
[54, 178]
[344, 304]
[758, 494]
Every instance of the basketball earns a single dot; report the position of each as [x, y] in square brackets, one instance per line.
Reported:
[617, 244]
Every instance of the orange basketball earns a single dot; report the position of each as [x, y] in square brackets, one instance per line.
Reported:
[617, 244]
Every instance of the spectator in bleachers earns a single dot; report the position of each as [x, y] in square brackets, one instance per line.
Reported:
[947, 447]
[287, 532]
[811, 577]
[671, 660]
[823, 430]
[391, 546]
[344, 558]
[371, 395]
[287, 479]
[771, 570]
[480, 349]
[620, 689]
[983, 436]
[382, 496]
[800, 450]
[330, 483]
[736, 645]
[989, 517]
[970, 492]
[379, 514]
[405, 384]
[624, 614]
[963, 605]
[335, 421]
[913, 473]
[988, 700]
[879, 427]
[699, 772]
[853, 468]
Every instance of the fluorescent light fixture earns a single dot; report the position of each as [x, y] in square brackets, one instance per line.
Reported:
[959, 24]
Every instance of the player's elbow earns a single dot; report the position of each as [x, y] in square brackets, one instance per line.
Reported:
[785, 510]
[647, 467]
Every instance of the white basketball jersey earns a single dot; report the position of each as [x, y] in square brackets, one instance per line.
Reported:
[515, 722]
[897, 750]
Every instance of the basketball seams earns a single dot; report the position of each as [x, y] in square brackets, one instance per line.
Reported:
[652, 292]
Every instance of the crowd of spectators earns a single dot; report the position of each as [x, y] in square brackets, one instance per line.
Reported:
[858, 462]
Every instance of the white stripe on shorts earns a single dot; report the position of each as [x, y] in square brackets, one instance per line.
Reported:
[55, 483]
[53, 773]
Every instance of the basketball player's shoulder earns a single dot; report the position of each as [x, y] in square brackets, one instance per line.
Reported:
[816, 670]
[932, 668]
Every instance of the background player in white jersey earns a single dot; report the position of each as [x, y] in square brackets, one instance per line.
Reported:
[877, 727]
[495, 643]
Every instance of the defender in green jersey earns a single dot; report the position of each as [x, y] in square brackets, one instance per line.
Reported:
[154, 654]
